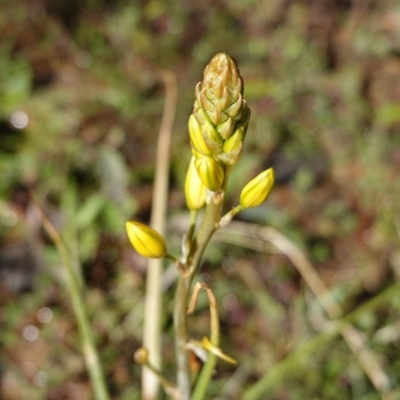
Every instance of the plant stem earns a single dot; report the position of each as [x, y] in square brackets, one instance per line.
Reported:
[182, 335]
[208, 368]
[199, 243]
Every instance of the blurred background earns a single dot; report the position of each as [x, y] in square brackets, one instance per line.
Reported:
[81, 102]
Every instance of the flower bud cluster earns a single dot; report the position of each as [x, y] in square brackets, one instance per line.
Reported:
[217, 128]
[218, 125]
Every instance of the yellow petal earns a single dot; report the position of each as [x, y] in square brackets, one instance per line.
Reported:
[145, 240]
[258, 189]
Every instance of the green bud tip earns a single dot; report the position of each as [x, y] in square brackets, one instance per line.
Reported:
[258, 189]
[145, 240]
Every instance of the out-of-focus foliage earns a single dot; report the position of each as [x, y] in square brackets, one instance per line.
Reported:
[80, 106]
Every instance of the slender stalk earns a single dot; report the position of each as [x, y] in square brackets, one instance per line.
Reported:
[153, 298]
[90, 354]
[201, 387]
[199, 243]
[182, 336]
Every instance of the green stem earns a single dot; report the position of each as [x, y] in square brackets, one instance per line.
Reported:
[206, 374]
[199, 243]
[208, 368]
[90, 354]
[182, 336]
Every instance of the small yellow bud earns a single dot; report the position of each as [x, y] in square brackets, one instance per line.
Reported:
[258, 189]
[145, 240]
[195, 191]
[210, 172]
[141, 355]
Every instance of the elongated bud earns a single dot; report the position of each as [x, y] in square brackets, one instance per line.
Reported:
[211, 137]
[210, 172]
[196, 138]
[145, 240]
[258, 189]
[220, 93]
[195, 191]
[232, 147]
[220, 110]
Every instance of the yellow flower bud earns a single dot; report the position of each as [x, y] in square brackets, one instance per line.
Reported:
[232, 148]
[145, 240]
[211, 137]
[141, 355]
[258, 189]
[196, 137]
[195, 191]
[210, 172]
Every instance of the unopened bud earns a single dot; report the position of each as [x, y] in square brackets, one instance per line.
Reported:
[232, 147]
[195, 191]
[196, 137]
[141, 355]
[210, 172]
[145, 240]
[211, 137]
[258, 189]
[220, 110]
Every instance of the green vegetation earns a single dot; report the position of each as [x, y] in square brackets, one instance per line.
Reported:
[82, 96]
